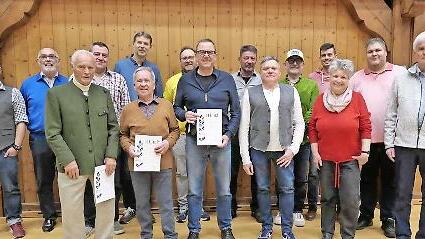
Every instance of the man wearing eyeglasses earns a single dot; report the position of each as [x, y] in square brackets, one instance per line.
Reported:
[34, 90]
[208, 88]
[308, 91]
[187, 63]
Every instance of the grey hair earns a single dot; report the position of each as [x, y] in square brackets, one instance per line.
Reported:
[342, 64]
[418, 40]
[269, 58]
[79, 53]
[378, 40]
[39, 52]
[144, 68]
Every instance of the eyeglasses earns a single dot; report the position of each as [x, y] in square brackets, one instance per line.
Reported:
[44, 57]
[204, 52]
[295, 60]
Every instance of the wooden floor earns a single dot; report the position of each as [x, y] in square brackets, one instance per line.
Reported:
[244, 227]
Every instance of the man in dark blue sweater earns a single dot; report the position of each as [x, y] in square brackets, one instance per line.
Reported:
[208, 88]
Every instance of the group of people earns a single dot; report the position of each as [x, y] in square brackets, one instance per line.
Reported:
[357, 133]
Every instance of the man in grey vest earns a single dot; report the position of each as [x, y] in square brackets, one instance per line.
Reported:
[270, 133]
[13, 122]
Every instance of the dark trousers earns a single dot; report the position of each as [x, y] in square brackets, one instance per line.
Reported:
[45, 171]
[379, 166]
[301, 171]
[347, 194]
[236, 164]
[406, 162]
[123, 185]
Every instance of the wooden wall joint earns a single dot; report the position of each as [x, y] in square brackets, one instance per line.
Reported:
[412, 8]
[14, 14]
[373, 16]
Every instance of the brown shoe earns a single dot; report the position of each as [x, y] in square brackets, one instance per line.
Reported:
[17, 230]
[311, 215]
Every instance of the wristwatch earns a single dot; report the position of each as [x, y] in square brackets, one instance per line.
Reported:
[365, 152]
[17, 147]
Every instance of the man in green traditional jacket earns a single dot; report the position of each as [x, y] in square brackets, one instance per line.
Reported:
[308, 91]
[82, 130]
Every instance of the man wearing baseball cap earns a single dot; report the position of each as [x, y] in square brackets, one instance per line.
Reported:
[308, 91]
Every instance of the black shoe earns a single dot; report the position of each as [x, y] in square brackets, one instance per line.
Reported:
[388, 226]
[363, 222]
[48, 225]
[234, 214]
[193, 235]
[257, 216]
[227, 234]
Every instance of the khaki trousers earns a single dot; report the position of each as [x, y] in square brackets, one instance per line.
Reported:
[71, 192]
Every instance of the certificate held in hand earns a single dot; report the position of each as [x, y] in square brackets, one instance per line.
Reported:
[147, 160]
[103, 185]
[209, 127]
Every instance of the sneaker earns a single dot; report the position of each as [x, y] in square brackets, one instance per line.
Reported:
[363, 222]
[265, 234]
[277, 219]
[288, 235]
[298, 219]
[128, 215]
[181, 217]
[17, 230]
[89, 230]
[118, 229]
[388, 226]
[205, 216]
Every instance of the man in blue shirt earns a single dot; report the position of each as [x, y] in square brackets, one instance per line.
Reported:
[34, 90]
[206, 87]
[142, 43]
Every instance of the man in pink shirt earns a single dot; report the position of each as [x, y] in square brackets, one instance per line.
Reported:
[374, 83]
[321, 75]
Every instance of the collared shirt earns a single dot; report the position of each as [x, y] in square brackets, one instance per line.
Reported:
[118, 89]
[126, 68]
[375, 89]
[18, 104]
[241, 85]
[34, 90]
[421, 77]
[322, 79]
[49, 81]
[149, 109]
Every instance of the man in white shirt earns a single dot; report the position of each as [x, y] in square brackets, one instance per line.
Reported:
[271, 131]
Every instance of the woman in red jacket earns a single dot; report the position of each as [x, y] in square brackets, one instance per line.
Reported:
[339, 132]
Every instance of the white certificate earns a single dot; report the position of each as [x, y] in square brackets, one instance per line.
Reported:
[104, 188]
[209, 127]
[147, 159]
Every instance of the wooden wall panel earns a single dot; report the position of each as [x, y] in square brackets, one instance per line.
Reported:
[274, 26]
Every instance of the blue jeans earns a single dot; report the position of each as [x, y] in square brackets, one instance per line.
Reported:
[45, 172]
[197, 158]
[313, 186]
[11, 193]
[406, 162]
[285, 180]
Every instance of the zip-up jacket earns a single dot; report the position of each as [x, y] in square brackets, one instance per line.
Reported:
[221, 94]
[401, 127]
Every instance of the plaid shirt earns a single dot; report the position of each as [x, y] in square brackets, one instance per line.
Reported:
[118, 89]
[18, 103]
